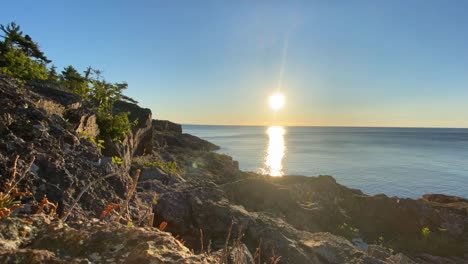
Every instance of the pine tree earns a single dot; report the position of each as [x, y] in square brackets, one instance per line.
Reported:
[14, 38]
[72, 80]
[20, 56]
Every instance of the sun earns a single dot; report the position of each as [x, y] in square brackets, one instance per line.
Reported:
[276, 101]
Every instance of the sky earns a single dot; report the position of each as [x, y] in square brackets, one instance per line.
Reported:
[338, 63]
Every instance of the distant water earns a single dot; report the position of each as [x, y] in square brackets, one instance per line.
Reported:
[405, 162]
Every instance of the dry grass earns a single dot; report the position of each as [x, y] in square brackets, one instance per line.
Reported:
[109, 209]
[151, 219]
[224, 256]
[201, 241]
[239, 255]
[46, 204]
[274, 259]
[124, 207]
[257, 255]
[10, 196]
[238, 249]
[77, 199]
[148, 216]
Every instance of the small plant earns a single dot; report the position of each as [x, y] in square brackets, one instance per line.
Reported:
[348, 231]
[114, 127]
[225, 252]
[45, 203]
[117, 160]
[274, 259]
[385, 244]
[155, 199]
[65, 215]
[181, 240]
[258, 253]
[425, 232]
[148, 216]
[10, 196]
[98, 143]
[124, 206]
[171, 167]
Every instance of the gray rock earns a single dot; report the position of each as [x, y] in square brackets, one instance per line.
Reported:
[84, 121]
[153, 173]
[166, 126]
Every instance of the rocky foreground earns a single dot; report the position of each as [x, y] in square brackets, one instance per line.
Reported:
[191, 205]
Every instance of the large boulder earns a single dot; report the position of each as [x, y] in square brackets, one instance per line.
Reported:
[188, 208]
[91, 242]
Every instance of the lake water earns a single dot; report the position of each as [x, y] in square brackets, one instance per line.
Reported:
[405, 162]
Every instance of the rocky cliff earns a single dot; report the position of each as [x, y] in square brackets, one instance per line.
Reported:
[46, 125]
[191, 205]
[139, 141]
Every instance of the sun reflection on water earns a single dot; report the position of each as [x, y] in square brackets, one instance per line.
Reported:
[274, 155]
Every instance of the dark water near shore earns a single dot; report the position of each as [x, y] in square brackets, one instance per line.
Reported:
[406, 162]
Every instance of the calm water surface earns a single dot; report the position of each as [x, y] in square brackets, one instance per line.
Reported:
[406, 162]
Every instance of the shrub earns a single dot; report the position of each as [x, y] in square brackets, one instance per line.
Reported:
[97, 142]
[425, 232]
[167, 166]
[72, 80]
[348, 231]
[106, 94]
[20, 57]
[113, 127]
[15, 64]
[156, 162]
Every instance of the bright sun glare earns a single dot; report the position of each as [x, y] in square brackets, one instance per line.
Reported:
[276, 101]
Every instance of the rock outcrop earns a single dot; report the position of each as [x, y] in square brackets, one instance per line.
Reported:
[139, 141]
[49, 241]
[64, 163]
[304, 219]
[167, 126]
[84, 121]
[142, 131]
[169, 135]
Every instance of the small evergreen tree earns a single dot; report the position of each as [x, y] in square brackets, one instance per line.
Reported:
[52, 75]
[20, 56]
[14, 38]
[72, 80]
[105, 94]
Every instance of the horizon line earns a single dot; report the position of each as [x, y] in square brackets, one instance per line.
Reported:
[344, 126]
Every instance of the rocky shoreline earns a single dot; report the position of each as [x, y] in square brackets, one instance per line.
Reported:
[205, 209]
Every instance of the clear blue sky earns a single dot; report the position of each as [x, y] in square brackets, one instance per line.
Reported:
[351, 63]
